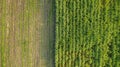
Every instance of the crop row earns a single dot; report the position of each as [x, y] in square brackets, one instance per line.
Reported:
[87, 33]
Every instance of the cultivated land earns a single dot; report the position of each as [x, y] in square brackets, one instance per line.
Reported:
[87, 33]
[26, 33]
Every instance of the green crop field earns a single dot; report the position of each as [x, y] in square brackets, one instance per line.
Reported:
[59, 33]
[87, 33]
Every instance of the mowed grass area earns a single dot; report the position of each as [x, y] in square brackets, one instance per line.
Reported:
[21, 24]
[87, 33]
[17, 22]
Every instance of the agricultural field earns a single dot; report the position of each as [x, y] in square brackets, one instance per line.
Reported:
[26, 33]
[59, 33]
[87, 33]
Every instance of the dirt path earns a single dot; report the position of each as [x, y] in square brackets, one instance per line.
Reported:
[27, 33]
[47, 43]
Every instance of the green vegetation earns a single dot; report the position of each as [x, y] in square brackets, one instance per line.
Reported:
[2, 35]
[87, 33]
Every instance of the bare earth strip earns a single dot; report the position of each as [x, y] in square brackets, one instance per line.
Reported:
[26, 33]
[47, 27]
